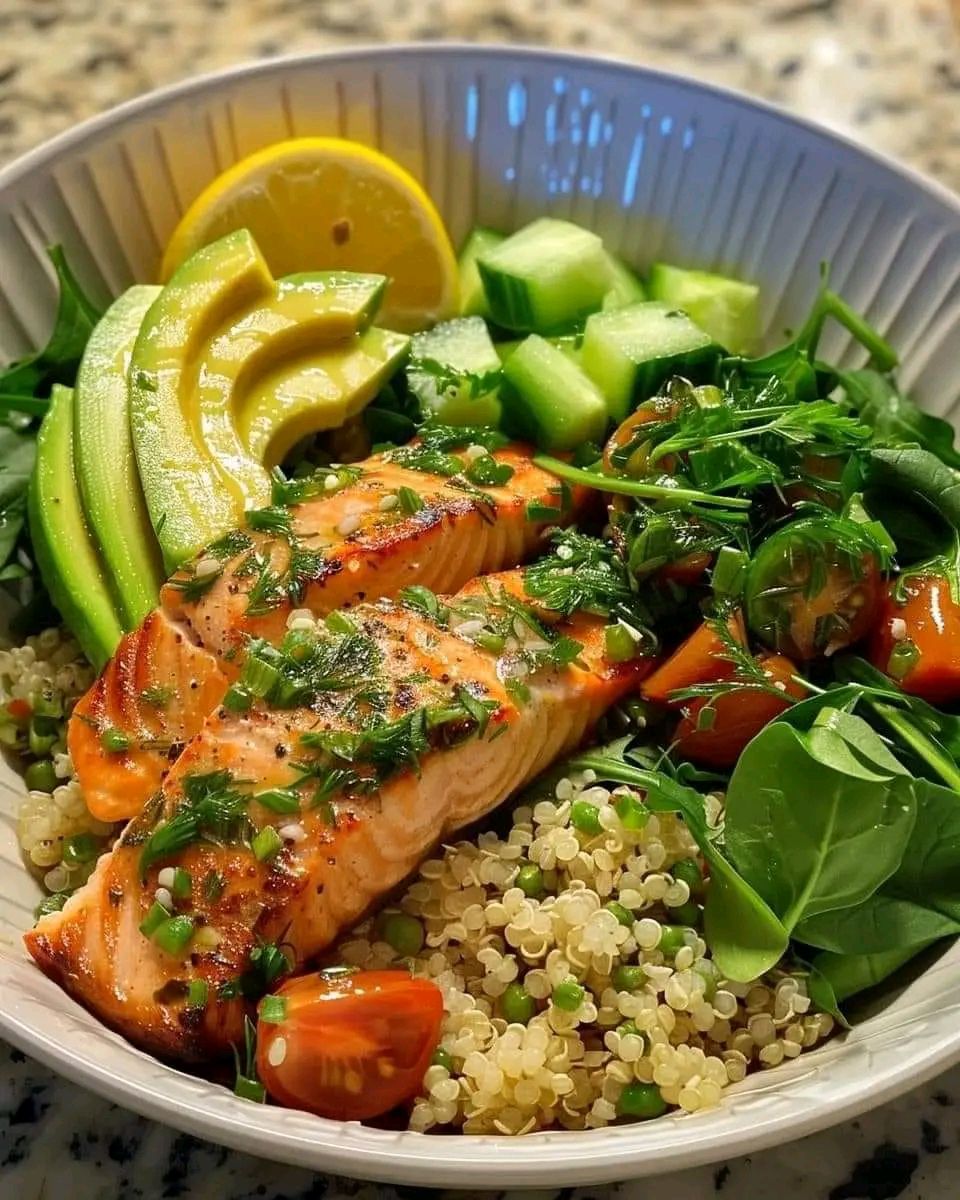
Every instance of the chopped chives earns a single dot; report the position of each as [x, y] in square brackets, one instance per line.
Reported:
[197, 992]
[182, 884]
[238, 699]
[156, 915]
[173, 935]
[279, 800]
[266, 844]
[273, 1010]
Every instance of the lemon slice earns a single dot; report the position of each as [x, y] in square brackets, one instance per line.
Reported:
[323, 203]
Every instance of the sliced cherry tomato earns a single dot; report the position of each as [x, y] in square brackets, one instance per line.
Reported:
[918, 642]
[627, 434]
[348, 1046]
[737, 717]
[812, 589]
[697, 660]
[19, 709]
[687, 570]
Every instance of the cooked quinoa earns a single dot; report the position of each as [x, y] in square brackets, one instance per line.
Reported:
[624, 992]
[49, 672]
[582, 920]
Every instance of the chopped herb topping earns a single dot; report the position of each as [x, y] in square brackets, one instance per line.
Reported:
[295, 490]
[274, 519]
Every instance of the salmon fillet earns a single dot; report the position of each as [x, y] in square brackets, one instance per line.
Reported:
[390, 526]
[369, 744]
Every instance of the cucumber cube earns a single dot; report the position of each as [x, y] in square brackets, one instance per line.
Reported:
[727, 309]
[546, 277]
[625, 287]
[454, 372]
[473, 301]
[549, 400]
[630, 352]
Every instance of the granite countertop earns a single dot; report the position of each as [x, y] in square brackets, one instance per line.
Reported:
[884, 71]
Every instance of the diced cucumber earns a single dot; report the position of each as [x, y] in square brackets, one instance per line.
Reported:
[546, 277]
[505, 349]
[628, 353]
[726, 308]
[549, 400]
[473, 300]
[626, 288]
[569, 344]
[454, 372]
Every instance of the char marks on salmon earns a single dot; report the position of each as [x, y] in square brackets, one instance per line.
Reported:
[390, 522]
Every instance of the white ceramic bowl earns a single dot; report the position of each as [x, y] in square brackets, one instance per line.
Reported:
[661, 167]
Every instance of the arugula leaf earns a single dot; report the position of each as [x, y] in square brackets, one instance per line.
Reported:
[893, 417]
[928, 738]
[817, 820]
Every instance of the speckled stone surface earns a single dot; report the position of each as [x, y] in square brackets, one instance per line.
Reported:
[884, 71]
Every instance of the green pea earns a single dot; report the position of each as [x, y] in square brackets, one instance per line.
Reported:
[671, 939]
[623, 915]
[41, 735]
[585, 818]
[40, 776]
[687, 914]
[632, 812]
[628, 1029]
[530, 880]
[517, 1005]
[81, 848]
[628, 979]
[687, 871]
[402, 933]
[642, 1101]
[441, 1058]
[568, 995]
[710, 976]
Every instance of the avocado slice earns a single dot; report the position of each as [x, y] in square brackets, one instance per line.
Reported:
[217, 326]
[66, 553]
[106, 466]
[304, 314]
[319, 390]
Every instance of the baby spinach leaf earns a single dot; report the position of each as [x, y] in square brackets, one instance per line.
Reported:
[817, 824]
[914, 494]
[836, 977]
[895, 418]
[58, 360]
[880, 924]
[930, 871]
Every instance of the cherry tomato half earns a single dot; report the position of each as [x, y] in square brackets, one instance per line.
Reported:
[349, 1046]
[700, 659]
[918, 642]
[812, 589]
[737, 717]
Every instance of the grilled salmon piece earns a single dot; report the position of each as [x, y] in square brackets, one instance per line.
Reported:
[291, 822]
[149, 696]
[390, 527]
